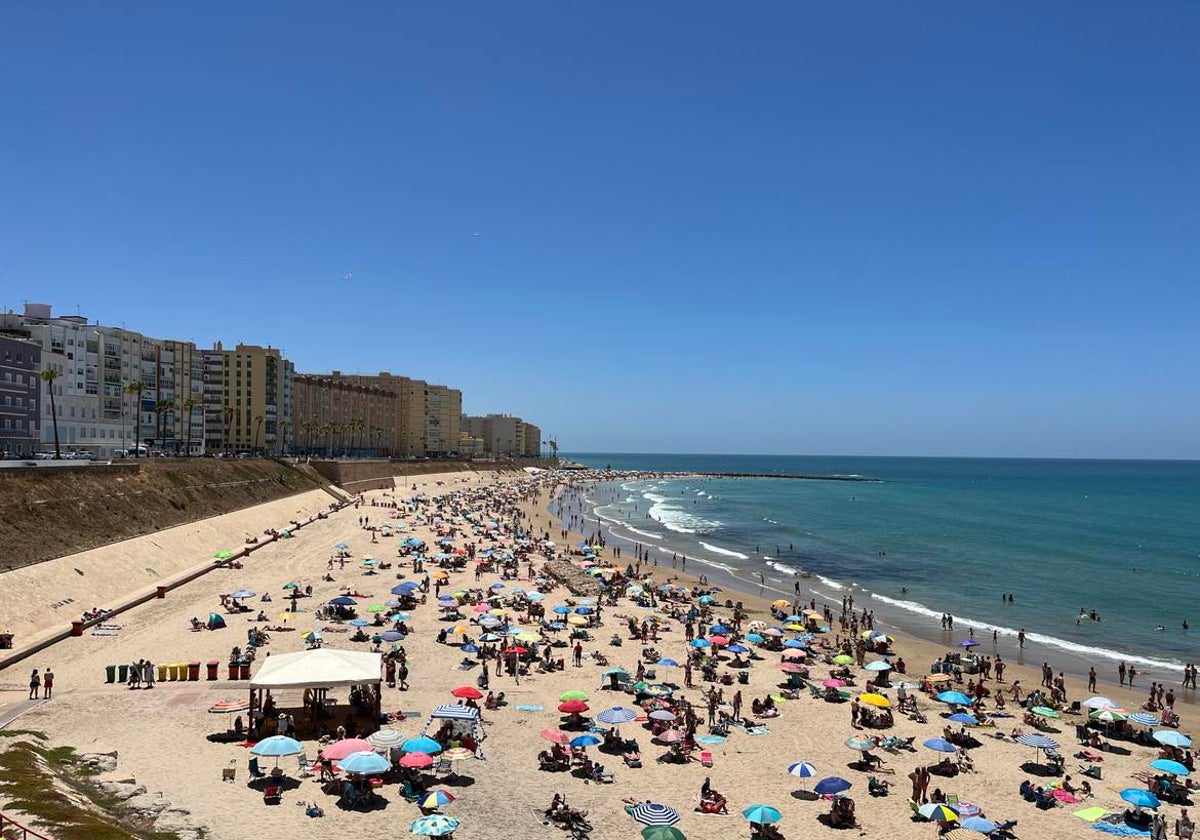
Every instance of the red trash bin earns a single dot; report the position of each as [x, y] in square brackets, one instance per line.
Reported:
[233, 670]
[194, 671]
[160, 592]
[244, 671]
[213, 668]
[77, 627]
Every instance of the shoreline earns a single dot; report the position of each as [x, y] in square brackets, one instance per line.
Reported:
[931, 643]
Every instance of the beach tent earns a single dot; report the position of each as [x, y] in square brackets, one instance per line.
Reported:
[319, 668]
[464, 720]
[215, 621]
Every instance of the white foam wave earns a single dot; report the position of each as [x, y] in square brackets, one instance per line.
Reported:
[830, 582]
[654, 497]
[648, 534]
[680, 521]
[1087, 651]
[782, 567]
[714, 564]
[725, 551]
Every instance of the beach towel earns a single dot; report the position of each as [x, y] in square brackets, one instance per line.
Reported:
[1062, 796]
[1090, 814]
[530, 708]
[104, 631]
[1120, 830]
[758, 730]
[710, 739]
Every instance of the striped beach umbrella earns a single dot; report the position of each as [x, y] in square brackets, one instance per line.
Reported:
[436, 799]
[385, 739]
[937, 812]
[616, 715]
[654, 813]
[662, 832]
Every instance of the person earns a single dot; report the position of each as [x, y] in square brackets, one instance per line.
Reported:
[35, 684]
[1184, 827]
[48, 684]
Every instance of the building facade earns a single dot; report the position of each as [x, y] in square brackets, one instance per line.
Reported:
[503, 435]
[336, 417]
[533, 441]
[247, 399]
[20, 396]
[427, 417]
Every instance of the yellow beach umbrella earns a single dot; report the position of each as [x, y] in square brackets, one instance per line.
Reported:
[877, 700]
[576, 619]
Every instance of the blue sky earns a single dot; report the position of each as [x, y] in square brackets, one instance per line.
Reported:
[946, 229]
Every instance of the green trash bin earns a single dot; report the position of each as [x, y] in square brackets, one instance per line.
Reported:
[124, 674]
[110, 673]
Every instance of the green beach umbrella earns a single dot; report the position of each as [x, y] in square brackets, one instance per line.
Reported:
[1107, 715]
[574, 694]
[376, 608]
[291, 585]
[223, 554]
[843, 659]
[662, 832]
[1045, 711]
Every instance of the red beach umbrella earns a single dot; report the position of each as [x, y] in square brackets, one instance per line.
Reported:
[467, 692]
[573, 707]
[416, 760]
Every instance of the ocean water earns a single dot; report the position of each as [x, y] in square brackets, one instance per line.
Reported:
[937, 535]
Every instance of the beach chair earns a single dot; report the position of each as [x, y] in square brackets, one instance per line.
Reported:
[706, 759]
[916, 811]
[409, 792]
[302, 763]
[272, 795]
[228, 774]
[255, 772]
[951, 799]
[1092, 770]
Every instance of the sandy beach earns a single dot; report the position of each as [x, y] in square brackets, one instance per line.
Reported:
[160, 735]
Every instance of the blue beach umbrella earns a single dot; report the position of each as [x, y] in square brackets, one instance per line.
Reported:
[878, 665]
[242, 593]
[761, 814]
[968, 643]
[1139, 798]
[422, 745]
[277, 745]
[617, 715]
[436, 799]
[584, 741]
[1145, 719]
[737, 649]
[654, 813]
[954, 698]
[469, 648]
[561, 610]
[434, 825]
[754, 638]
[700, 643]
[1172, 738]
[964, 718]
[980, 824]
[831, 785]
[667, 663]
[365, 762]
[359, 622]
[794, 644]
[584, 611]
[393, 636]
[940, 745]
[1165, 765]
[802, 770]
[718, 629]
[343, 601]
[404, 589]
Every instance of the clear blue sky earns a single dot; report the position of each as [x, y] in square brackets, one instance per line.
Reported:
[877, 228]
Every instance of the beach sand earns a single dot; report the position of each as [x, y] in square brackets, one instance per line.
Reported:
[160, 735]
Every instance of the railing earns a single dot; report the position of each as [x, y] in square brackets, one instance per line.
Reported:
[10, 829]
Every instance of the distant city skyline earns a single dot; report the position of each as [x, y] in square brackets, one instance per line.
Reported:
[944, 231]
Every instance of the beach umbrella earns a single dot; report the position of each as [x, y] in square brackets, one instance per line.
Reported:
[343, 546]
[802, 770]
[794, 644]
[937, 678]
[417, 760]
[242, 593]
[225, 707]
[793, 654]
[223, 554]
[964, 718]
[435, 799]
[340, 749]
[700, 643]
[662, 832]
[468, 648]
[359, 622]
[1145, 719]
[561, 610]
[773, 631]
[761, 814]
[457, 754]
[1172, 738]
[385, 739]
[791, 668]
[576, 620]
[365, 762]
[654, 813]
[375, 608]
[662, 714]
[467, 692]
[555, 737]
[343, 601]
[940, 745]
[1045, 712]
[1107, 715]
[585, 740]
[393, 636]
[422, 745]
[670, 736]
[756, 638]
[954, 698]
[860, 744]
[843, 659]
[737, 648]
[434, 825]
[832, 683]
[573, 707]
[1165, 765]
[980, 824]
[831, 785]
[876, 700]
[878, 665]
[1139, 798]
[277, 745]
[616, 715]
[937, 812]
[1099, 703]
[667, 663]
[1038, 742]
[573, 694]
[312, 636]
[968, 643]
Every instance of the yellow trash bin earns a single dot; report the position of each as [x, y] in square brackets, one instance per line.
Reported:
[162, 673]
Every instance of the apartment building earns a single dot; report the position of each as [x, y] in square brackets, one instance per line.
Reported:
[503, 435]
[247, 399]
[532, 447]
[427, 416]
[336, 416]
[20, 396]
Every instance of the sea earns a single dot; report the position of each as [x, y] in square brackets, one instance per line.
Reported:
[932, 536]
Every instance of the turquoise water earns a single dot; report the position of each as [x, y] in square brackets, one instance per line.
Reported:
[941, 535]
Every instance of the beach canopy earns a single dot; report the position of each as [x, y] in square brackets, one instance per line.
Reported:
[654, 813]
[320, 668]
[215, 621]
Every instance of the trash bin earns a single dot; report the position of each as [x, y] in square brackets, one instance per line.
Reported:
[77, 627]
[162, 673]
[213, 667]
[110, 673]
[233, 670]
[181, 671]
[124, 674]
[194, 671]
[244, 671]
[160, 592]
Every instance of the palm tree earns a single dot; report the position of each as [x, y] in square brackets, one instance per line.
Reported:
[161, 407]
[136, 389]
[281, 437]
[189, 406]
[48, 376]
[229, 415]
[258, 421]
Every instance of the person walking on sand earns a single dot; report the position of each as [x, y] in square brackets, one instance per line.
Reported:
[1092, 679]
[48, 684]
[35, 684]
[148, 673]
[1121, 672]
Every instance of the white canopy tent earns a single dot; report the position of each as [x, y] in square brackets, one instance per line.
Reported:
[319, 670]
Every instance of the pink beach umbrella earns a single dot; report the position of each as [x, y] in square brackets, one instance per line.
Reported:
[340, 749]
